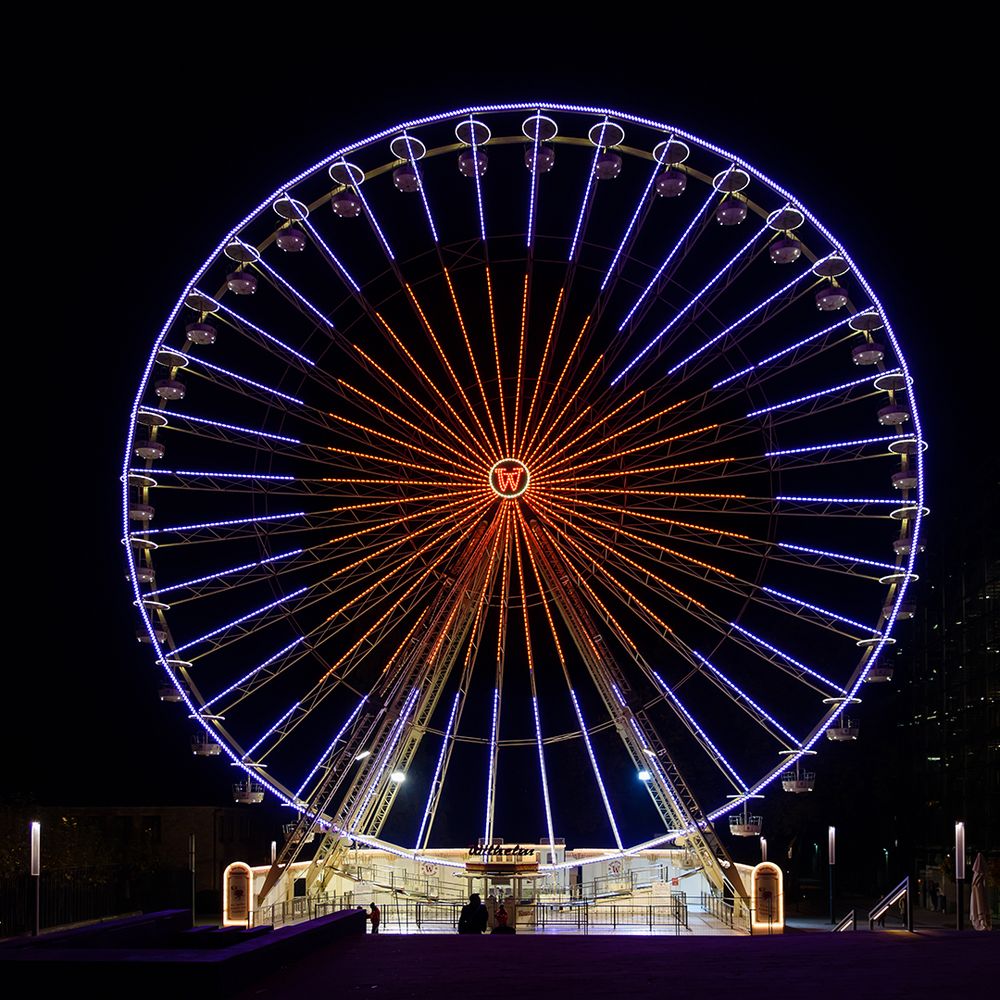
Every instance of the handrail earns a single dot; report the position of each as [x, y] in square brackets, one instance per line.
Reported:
[901, 891]
[848, 923]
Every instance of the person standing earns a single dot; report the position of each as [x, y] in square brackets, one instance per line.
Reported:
[375, 917]
[473, 918]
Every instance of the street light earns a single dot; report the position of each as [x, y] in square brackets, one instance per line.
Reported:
[36, 870]
[959, 870]
[831, 851]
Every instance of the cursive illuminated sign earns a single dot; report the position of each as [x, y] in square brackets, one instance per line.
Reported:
[498, 850]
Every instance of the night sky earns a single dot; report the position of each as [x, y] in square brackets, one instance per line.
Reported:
[134, 199]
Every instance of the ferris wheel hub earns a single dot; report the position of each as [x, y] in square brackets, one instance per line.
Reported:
[509, 478]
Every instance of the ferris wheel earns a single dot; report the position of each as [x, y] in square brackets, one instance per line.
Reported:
[515, 458]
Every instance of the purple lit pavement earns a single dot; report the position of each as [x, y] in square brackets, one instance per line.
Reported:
[816, 965]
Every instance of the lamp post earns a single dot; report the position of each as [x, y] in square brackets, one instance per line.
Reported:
[36, 871]
[959, 871]
[194, 869]
[763, 848]
[831, 850]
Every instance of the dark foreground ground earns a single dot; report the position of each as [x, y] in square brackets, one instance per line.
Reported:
[936, 964]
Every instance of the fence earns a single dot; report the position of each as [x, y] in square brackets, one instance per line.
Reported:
[75, 895]
[410, 916]
[726, 914]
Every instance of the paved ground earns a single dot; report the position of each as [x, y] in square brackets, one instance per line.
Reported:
[815, 966]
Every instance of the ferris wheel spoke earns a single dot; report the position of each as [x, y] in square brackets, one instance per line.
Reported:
[262, 667]
[329, 752]
[584, 563]
[313, 699]
[557, 420]
[276, 485]
[732, 582]
[311, 311]
[238, 529]
[643, 358]
[248, 754]
[602, 544]
[245, 572]
[462, 427]
[548, 457]
[529, 649]
[383, 574]
[584, 733]
[543, 458]
[661, 629]
[325, 686]
[660, 279]
[496, 356]
[437, 779]
[465, 526]
[421, 187]
[409, 358]
[239, 383]
[643, 540]
[495, 437]
[842, 562]
[203, 586]
[246, 327]
[483, 441]
[331, 258]
[589, 192]
[763, 718]
[311, 641]
[632, 230]
[644, 470]
[689, 530]
[465, 465]
[215, 531]
[780, 300]
[376, 317]
[817, 614]
[555, 394]
[501, 649]
[238, 628]
[458, 706]
[542, 368]
[520, 357]
[403, 393]
[819, 340]
[564, 467]
[778, 657]
[631, 649]
[600, 549]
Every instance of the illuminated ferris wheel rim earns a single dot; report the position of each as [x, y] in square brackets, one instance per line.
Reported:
[164, 656]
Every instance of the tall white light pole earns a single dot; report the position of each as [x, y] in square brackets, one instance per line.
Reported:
[831, 851]
[36, 871]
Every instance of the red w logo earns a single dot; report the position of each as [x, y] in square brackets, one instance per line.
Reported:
[509, 480]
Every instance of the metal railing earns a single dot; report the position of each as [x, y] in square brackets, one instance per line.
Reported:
[654, 916]
[434, 887]
[901, 893]
[848, 923]
[719, 908]
[411, 916]
[77, 895]
[738, 919]
[293, 911]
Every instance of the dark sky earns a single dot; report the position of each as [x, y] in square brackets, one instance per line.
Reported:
[145, 160]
